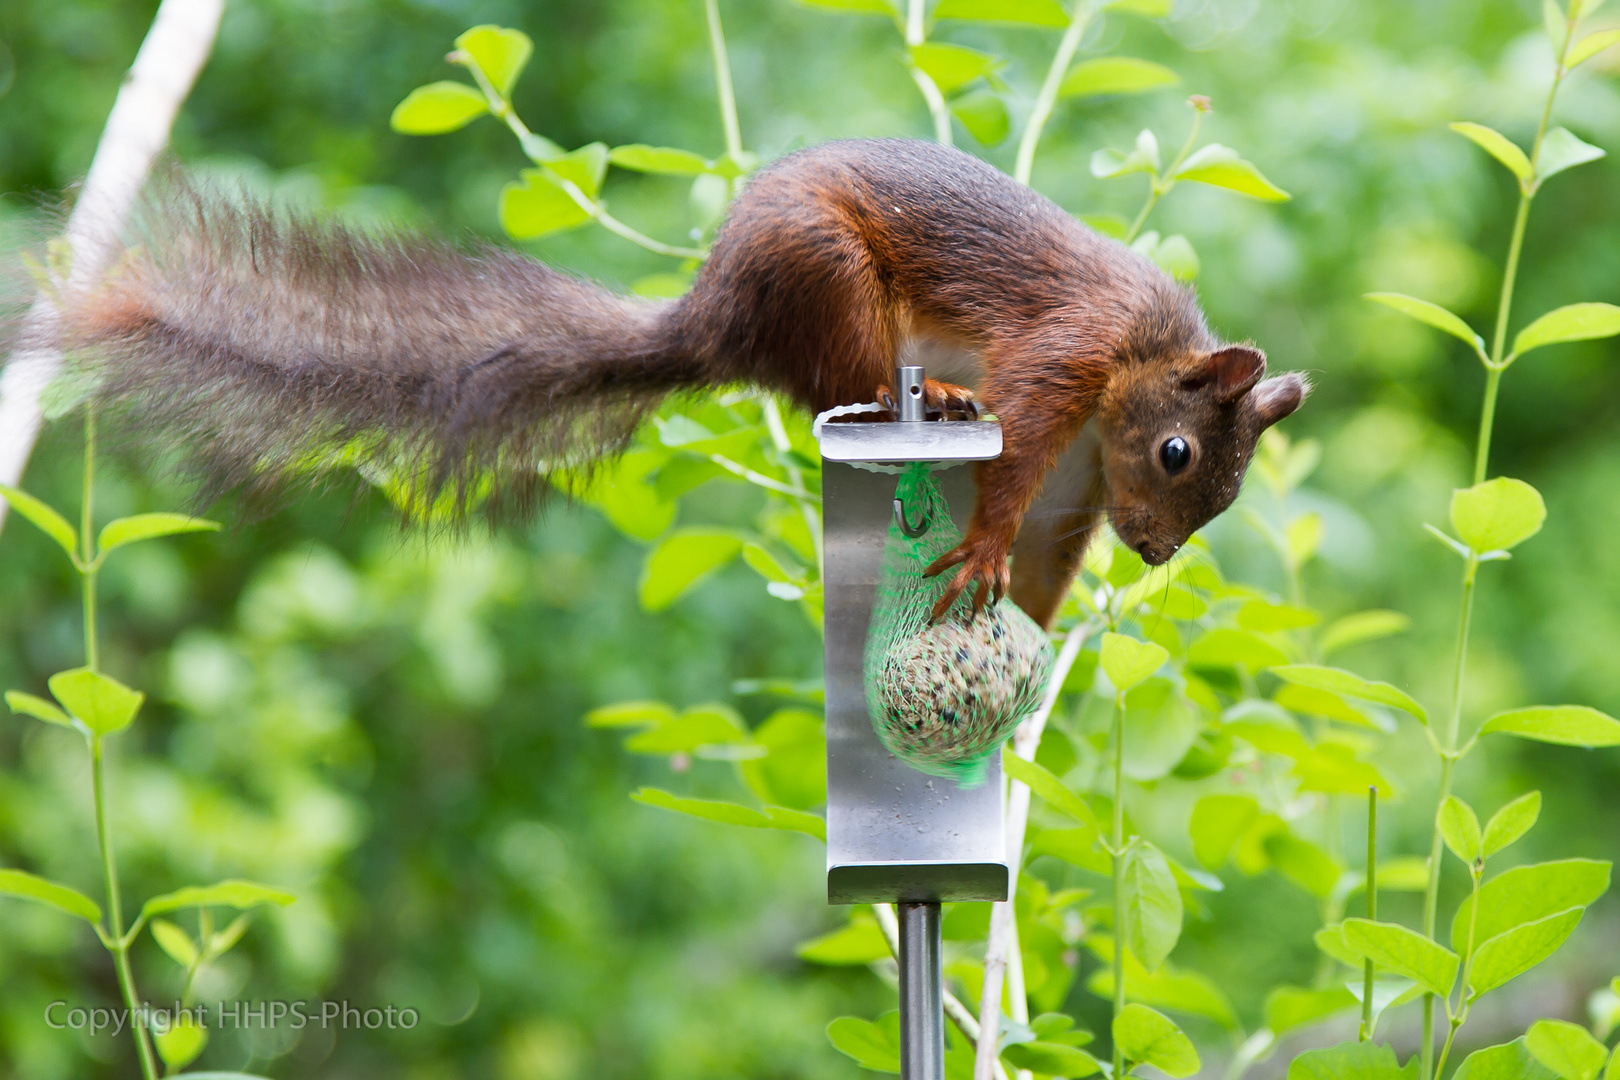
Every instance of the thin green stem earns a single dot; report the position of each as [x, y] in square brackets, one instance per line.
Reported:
[1445, 1051]
[915, 30]
[87, 542]
[1119, 873]
[502, 110]
[1160, 187]
[1142, 215]
[1510, 271]
[1372, 910]
[722, 79]
[1494, 366]
[1046, 100]
[1487, 420]
[115, 913]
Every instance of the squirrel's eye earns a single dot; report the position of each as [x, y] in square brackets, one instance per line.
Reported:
[1174, 454]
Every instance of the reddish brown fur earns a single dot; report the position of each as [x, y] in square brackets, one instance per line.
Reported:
[265, 341]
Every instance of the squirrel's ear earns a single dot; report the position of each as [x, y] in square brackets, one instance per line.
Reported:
[1230, 372]
[1276, 398]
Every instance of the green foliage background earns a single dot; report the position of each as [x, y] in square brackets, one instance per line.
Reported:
[392, 728]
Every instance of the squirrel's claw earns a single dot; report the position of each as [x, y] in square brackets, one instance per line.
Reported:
[984, 572]
[941, 401]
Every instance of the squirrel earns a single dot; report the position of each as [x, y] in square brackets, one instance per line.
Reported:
[270, 344]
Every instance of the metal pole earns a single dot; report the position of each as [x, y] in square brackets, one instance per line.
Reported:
[908, 387]
[922, 1013]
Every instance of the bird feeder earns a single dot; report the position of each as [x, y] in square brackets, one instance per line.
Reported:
[894, 834]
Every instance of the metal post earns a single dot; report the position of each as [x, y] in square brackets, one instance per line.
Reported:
[908, 387]
[922, 1006]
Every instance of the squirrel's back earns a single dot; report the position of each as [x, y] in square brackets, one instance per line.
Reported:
[271, 345]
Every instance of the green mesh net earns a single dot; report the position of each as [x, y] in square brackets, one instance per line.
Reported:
[945, 696]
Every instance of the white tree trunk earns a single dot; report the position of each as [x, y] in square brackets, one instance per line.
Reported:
[175, 49]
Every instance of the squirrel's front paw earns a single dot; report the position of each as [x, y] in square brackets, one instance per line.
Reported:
[983, 565]
[941, 400]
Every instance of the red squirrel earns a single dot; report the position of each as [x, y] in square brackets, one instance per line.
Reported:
[266, 342]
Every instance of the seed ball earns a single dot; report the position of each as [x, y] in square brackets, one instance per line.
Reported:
[946, 697]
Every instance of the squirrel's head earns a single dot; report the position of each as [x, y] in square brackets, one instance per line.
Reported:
[1177, 435]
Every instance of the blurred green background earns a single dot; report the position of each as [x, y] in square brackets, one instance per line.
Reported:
[390, 727]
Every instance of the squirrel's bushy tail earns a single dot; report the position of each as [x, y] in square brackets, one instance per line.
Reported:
[269, 346]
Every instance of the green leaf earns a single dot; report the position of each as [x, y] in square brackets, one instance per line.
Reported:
[1566, 725]
[44, 518]
[1127, 661]
[1361, 627]
[1303, 863]
[1050, 1059]
[1152, 906]
[1052, 790]
[1352, 1061]
[100, 702]
[26, 886]
[984, 114]
[1431, 314]
[1507, 956]
[662, 160]
[234, 892]
[1148, 9]
[1567, 1049]
[1330, 939]
[705, 725]
[1151, 1038]
[1166, 988]
[793, 772]
[37, 707]
[1574, 322]
[584, 168]
[1218, 822]
[860, 942]
[1110, 163]
[499, 53]
[1221, 166]
[1290, 1007]
[1115, 75]
[1459, 826]
[1590, 45]
[1560, 150]
[180, 1043]
[854, 7]
[1497, 145]
[952, 66]
[1309, 702]
[1404, 873]
[622, 491]
[1497, 514]
[1510, 1061]
[683, 559]
[874, 1046]
[1527, 894]
[174, 941]
[1025, 12]
[1557, 24]
[1225, 647]
[1266, 617]
[729, 813]
[631, 714]
[1349, 684]
[129, 530]
[1405, 952]
[1511, 822]
[438, 108]
[1173, 254]
[538, 206]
